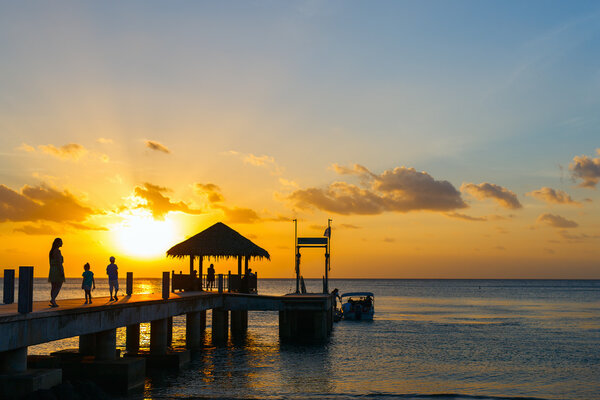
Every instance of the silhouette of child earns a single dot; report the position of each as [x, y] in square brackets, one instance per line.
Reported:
[113, 278]
[88, 283]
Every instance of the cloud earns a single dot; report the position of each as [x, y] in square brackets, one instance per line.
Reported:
[41, 203]
[556, 221]
[158, 203]
[104, 140]
[210, 190]
[465, 217]
[258, 161]
[153, 145]
[286, 182]
[389, 240]
[86, 227]
[552, 196]
[238, 215]
[71, 151]
[400, 190]
[576, 238]
[26, 147]
[350, 226]
[502, 196]
[586, 169]
[37, 230]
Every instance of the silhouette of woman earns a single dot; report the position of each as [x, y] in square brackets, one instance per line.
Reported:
[56, 276]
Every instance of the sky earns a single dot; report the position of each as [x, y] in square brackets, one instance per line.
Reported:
[444, 139]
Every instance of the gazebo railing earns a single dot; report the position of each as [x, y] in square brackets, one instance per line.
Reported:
[231, 283]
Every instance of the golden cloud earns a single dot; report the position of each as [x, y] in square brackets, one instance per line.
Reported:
[552, 196]
[41, 203]
[158, 203]
[154, 145]
[399, 190]
[501, 195]
[556, 221]
[210, 190]
[586, 169]
[71, 151]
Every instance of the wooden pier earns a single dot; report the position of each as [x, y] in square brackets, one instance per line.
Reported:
[306, 317]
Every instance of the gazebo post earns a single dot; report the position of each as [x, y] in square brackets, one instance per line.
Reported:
[191, 264]
[245, 265]
[200, 270]
[240, 266]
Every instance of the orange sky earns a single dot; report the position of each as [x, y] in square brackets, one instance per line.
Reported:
[440, 147]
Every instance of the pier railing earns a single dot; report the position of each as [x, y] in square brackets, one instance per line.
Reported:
[230, 282]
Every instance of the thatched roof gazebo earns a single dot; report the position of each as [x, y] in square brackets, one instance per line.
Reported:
[218, 241]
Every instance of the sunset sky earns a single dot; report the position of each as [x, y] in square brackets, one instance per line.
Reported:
[445, 139]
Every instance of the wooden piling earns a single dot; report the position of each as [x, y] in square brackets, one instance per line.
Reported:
[132, 338]
[129, 285]
[165, 285]
[9, 286]
[25, 290]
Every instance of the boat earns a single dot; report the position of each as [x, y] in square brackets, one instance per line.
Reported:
[357, 306]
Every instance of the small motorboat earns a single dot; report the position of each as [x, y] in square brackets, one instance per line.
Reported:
[358, 306]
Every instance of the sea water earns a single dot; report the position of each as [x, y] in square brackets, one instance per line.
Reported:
[439, 339]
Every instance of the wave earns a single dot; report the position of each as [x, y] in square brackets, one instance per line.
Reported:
[374, 395]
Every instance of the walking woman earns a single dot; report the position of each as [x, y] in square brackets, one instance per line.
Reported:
[56, 276]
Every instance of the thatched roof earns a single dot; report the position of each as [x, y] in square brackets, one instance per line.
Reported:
[218, 241]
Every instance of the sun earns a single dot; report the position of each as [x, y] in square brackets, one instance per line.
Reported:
[140, 235]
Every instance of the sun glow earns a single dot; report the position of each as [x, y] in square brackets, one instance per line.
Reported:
[140, 235]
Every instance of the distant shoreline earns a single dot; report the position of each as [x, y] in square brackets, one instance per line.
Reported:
[389, 279]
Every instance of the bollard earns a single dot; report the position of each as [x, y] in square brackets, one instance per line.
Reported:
[9, 286]
[25, 290]
[229, 281]
[166, 285]
[220, 283]
[129, 285]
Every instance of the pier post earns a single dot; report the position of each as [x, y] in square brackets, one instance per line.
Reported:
[169, 331]
[9, 286]
[129, 284]
[194, 329]
[132, 338]
[158, 336]
[13, 360]
[106, 345]
[87, 344]
[25, 290]
[239, 322]
[285, 325]
[202, 321]
[320, 325]
[219, 325]
[220, 283]
[165, 285]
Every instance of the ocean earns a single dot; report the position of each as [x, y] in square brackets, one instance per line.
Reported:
[430, 339]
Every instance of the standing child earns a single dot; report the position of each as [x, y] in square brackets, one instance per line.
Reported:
[113, 278]
[88, 283]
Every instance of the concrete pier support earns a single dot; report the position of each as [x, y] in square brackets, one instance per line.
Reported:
[169, 331]
[106, 345]
[303, 325]
[195, 323]
[239, 322]
[219, 325]
[17, 381]
[132, 338]
[159, 336]
[87, 344]
[13, 360]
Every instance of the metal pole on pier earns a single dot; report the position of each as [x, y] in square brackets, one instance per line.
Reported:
[296, 256]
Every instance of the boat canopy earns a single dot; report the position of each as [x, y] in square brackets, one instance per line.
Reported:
[349, 294]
